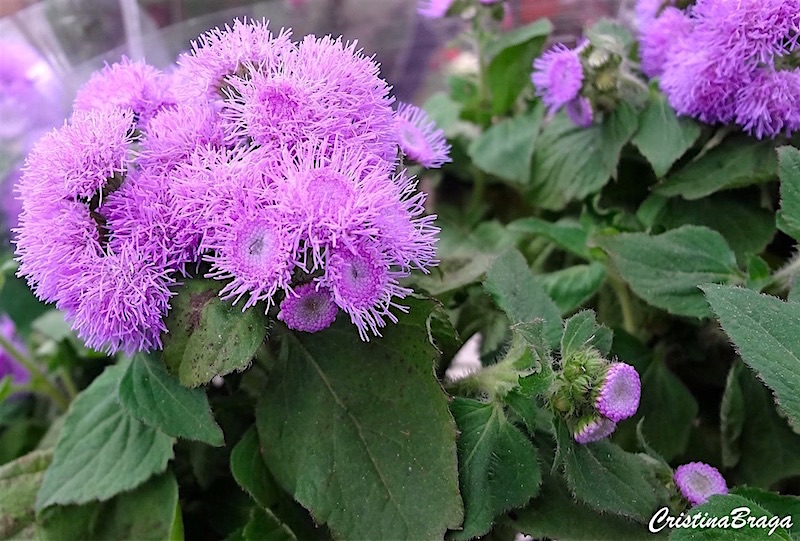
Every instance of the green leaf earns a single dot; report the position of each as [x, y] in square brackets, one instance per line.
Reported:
[731, 417]
[505, 150]
[721, 506]
[570, 288]
[768, 448]
[667, 429]
[766, 332]
[582, 330]
[249, 470]
[148, 513]
[571, 163]
[666, 269]
[555, 514]
[567, 234]
[777, 504]
[352, 453]
[789, 168]
[19, 482]
[264, 525]
[208, 336]
[102, 450]
[607, 478]
[498, 466]
[149, 393]
[737, 161]
[747, 228]
[509, 60]
[663, 137]
[520, 295]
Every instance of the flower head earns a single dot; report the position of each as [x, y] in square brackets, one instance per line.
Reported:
[591, 429]
[419, 138]
[308, 308]
[619, 393]
[579, 111]
[658, 37]
[646, 11]
[558, 76]
[9, 366]
[128, 85]
[433, 9]
[698, 481]
[770, 103]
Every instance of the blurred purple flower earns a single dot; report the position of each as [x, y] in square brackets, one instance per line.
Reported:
[558, 76]
[433, 9]
[308, 308]
[658, 37]
[419, 138]
[698, 481]
[8, 365]
[579, 111]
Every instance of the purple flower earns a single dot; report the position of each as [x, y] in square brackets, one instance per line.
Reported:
[579, 111]
[591, 429]
[433, 9]
[619, 393]
[646, 11]
[308, 308]
[128, 85]
[558, 76]
[770, 103]
[658, 38]
[698, 481]
[8, 365]
[364, 286]
[220, 53]
[420, 140]
[78, 159]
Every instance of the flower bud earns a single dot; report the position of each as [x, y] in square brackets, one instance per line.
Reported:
[698, 481]
[593, 428]
[619, 392]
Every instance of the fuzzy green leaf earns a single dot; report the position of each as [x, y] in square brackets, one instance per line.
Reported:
[582, 330]
[19, 482]
[721, 506]
[571, 287]
[789, 169]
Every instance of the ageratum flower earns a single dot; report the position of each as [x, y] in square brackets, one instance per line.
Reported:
[9, 366]
[591, 429]
[698, 481]
[619, 392]
[308, 308]
[558, 76]
[658, 38]
[579, 111]
[419, 138]
[770, 103]
[128, 85]
[433, 9]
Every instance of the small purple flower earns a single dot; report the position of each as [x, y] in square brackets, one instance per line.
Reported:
[128, 85]
[433, 9]
[364, 286]
[8, 365]
[770, 104]
[579, 111]
[593, 429]
[646, 11]
[308, 308]
[619, 393]
[558, 76]
[658, 37]
[419, 138]
[698, 481]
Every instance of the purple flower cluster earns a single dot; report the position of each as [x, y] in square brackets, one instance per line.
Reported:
[698, 481]
[724, 62]
[9, 366]
[558, 77]
[268, 164]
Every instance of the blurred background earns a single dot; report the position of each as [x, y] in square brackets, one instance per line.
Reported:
[49, 48]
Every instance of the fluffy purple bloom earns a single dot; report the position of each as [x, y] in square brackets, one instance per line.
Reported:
[219, 53]
[593, 429]
[128, 85]
[308, 308]
[11, 204]
[646, 11]
[8, 365]
[698, 481]
[433, 9]
[78, 159]
[579, 111]
[558, 76]
[364, 286]
[658, 37]
[619, 392]
[770, 104]
[419, 138]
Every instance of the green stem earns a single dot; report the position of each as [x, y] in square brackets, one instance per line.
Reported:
[784, 278]
[625, 303]
[476, 200]
[39, 381]
[69, 384]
